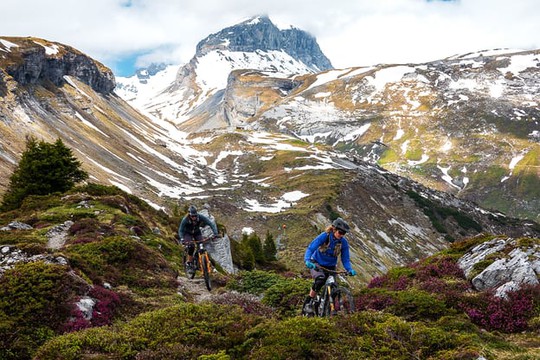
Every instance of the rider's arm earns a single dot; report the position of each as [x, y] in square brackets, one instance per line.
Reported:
[345, 257]
[210, 223]
[314, 245]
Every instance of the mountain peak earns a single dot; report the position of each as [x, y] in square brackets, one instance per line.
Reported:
[260, 33]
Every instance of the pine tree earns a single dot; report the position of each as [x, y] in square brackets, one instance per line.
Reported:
[44, 168]
[269, 247]
[254, 242]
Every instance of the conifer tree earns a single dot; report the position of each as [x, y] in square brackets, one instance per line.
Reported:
[254, 242]
[44, 168]
[269, 247]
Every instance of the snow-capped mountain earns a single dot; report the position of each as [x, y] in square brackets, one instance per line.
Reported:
[195, 95]
[139, 88]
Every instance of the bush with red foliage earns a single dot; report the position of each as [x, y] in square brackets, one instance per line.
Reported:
[106, 303]
[444, 279]
[510, 314]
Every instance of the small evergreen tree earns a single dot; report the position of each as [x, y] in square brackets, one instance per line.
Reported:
[44, 168]
[269, 247]
[254, 242]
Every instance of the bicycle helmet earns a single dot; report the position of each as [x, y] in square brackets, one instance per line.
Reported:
[192, 210]
[340, 224]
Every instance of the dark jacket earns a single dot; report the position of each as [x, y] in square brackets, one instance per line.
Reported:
[327, 258]
[193, 227]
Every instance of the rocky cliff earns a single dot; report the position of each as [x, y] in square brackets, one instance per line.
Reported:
[32, 61]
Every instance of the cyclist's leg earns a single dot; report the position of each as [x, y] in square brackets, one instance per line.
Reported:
[319, 278]
[190, 247]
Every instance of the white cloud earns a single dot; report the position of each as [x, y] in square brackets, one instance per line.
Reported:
[350, 32]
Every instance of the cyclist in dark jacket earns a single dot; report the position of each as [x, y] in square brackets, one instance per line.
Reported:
[190, 230]
[325, 250]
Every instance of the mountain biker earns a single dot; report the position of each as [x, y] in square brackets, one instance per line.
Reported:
[324, 250]
[190, 230]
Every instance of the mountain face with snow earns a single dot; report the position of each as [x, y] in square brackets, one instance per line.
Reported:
[194, 99]
[468, 124]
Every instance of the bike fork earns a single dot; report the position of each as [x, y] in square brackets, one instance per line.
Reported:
[332, 307]
[201, 264]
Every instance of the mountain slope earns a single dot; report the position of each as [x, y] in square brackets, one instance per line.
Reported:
[469, 126]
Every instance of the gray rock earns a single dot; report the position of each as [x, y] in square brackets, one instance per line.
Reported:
[86, 305]
[509, 273]
[16, 225]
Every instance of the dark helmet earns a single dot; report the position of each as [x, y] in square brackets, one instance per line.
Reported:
[340, 224]
[192, 210]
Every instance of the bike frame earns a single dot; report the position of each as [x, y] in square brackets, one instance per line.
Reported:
[202, 261]
[331, 292]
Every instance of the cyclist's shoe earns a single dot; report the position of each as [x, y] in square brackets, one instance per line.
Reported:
[190, 268]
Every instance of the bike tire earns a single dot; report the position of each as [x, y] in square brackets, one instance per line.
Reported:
[324, 310]
[344, 301]
[191, 274]
[206, 272]
[309, 314]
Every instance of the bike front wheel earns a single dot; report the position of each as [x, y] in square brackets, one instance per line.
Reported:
[206, 271]
[324, 306]
[343, 301]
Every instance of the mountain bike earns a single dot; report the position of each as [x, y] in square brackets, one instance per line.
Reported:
[201, 261]
[332, 299]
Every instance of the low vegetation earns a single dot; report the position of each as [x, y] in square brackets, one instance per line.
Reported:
[122, 254]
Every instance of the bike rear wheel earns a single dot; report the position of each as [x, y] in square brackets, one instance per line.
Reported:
[343, 301]
[206, 271]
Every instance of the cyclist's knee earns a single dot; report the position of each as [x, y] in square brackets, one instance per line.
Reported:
[318, 283]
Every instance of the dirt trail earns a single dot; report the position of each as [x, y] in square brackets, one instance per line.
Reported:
[194, 287]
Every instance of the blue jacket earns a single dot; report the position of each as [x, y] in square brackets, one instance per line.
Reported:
[327, 258]
[194, 227]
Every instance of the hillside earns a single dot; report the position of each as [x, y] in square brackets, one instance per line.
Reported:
[100, 267]
[250, 178]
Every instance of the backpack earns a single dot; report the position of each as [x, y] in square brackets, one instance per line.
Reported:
[324, 247]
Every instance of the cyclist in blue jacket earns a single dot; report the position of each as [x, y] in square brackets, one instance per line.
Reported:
[325, 250]
[190, 230]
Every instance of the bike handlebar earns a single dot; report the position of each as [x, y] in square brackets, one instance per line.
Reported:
[337, 272]
[203, 240]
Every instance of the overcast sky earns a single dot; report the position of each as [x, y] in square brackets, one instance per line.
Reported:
[350, 32]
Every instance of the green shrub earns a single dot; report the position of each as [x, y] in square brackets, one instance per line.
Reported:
[254, 282]
[35, 301]
[294, 338]
[212, 327]
[121, 261]
[287, 295]
[415, 304]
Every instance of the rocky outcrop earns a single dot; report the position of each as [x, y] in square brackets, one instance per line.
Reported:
[507, 264]
[220, 248]
[33, 61]
[11, 255]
